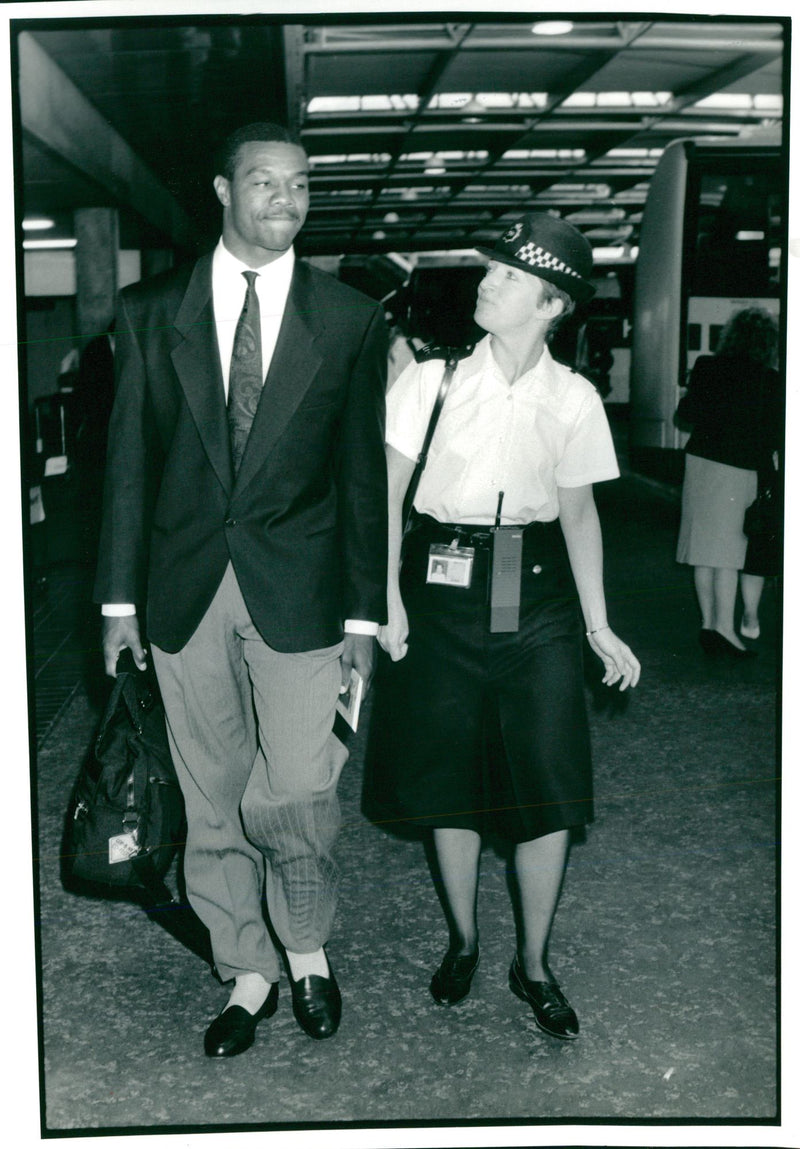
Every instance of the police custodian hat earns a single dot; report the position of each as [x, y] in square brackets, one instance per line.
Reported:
[549, 248]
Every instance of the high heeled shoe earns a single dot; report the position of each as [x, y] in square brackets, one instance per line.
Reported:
[710, 641]
[719, 646]
[729, 650]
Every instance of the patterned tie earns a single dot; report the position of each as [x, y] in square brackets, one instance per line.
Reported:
[246, 380]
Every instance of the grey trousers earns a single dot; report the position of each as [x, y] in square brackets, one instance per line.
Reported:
[250, 731]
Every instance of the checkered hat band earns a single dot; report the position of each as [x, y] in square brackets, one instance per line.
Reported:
[536, 256]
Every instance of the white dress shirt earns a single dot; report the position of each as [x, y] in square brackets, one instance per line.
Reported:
[229, 287]
[546, 430]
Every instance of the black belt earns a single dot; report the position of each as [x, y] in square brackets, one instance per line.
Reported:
[477, 535]
[469, 536]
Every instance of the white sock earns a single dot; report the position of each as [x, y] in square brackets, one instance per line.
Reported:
[302, 965]
[250, 992]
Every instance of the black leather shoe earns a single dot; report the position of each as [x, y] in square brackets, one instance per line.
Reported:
[551, 1010]
[235, 1028]
[317, 1004]
[452, 980]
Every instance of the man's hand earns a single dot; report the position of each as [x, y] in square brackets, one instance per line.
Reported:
[358, 652]
[119, 632]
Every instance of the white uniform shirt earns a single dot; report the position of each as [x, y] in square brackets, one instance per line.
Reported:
[547, 430]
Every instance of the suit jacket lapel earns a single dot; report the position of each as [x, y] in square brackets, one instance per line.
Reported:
[295, 362]
[197, 364]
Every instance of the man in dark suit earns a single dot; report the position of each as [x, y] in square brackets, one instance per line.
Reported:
[244, 519]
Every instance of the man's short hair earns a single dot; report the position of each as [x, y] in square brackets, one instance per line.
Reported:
[262, 132]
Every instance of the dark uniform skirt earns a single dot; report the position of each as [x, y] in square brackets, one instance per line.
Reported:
[482, 731]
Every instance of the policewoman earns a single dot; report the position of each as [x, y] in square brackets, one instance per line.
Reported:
[479, 721]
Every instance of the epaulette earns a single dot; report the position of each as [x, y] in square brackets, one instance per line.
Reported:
[437, 351]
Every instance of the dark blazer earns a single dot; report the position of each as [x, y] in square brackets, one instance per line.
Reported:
[304, 522]
[734, 409]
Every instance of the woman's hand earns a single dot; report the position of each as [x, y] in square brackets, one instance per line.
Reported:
[621, 664]
[393, 637]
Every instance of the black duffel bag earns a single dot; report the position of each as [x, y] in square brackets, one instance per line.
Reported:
[126, 817]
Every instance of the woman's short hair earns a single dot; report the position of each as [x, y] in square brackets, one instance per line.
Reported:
[751, 333]
[550, 291]
[262, 132]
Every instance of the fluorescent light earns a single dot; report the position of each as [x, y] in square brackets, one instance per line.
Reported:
[37, 224]
[32, 244]
[552, 28]
[607, 254]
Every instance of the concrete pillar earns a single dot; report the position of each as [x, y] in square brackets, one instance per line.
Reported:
[96, 259]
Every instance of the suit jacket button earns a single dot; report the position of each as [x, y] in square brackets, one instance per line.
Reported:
[230, 522]
[537, 569]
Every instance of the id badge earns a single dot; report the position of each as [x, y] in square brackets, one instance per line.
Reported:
[450, 566]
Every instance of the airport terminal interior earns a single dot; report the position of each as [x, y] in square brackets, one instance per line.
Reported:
[663, 141]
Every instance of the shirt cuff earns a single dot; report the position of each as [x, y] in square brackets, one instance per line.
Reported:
[360, 626]
[117, 609]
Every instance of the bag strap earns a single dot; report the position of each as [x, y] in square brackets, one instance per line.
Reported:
[452, 355]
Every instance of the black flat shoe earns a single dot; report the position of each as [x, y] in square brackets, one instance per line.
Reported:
[452, 980]
[317, 1004]
[235, 1028]
[551, 1010]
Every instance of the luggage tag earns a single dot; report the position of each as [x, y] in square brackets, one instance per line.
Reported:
[450, 565]
[506, 576]
[122, 847]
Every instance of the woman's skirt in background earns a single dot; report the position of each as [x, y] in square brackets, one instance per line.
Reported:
[715, 497]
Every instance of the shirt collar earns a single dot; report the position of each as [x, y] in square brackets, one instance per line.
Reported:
[481, 358]
[543, 375]
[229, 269]
[545, 372]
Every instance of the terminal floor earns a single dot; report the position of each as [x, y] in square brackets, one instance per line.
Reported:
[665, 940]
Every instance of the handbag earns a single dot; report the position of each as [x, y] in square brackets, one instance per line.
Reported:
[126, 815]
[451, 356]
[762, 519]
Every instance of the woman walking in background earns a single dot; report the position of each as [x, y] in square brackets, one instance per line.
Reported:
[734, 407]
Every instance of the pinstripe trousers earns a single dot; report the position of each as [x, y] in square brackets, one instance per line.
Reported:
[250, 731]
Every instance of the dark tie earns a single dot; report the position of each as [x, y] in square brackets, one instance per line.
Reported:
[246, 379]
